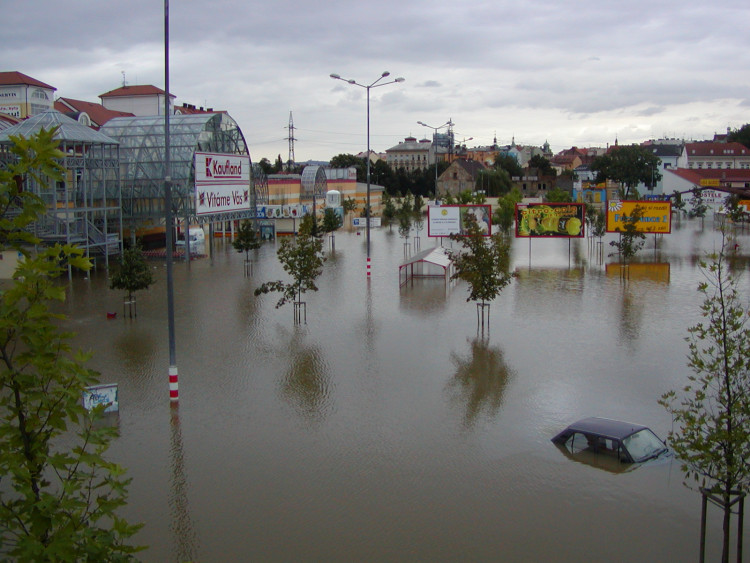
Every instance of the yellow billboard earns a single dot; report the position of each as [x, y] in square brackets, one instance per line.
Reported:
[656, 216]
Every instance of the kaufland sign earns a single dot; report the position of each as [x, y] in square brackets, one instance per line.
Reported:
[222, 183]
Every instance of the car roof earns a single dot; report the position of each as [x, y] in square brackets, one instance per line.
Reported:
[605, 427]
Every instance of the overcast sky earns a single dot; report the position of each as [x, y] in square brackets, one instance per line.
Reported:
[574, 73]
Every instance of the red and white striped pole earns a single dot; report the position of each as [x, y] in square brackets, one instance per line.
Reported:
[173, 391]
[368, 266]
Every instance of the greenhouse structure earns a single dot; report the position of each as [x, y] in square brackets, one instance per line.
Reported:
[84, 207]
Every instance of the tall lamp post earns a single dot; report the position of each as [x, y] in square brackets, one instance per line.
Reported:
[448, 123]
[374, 84]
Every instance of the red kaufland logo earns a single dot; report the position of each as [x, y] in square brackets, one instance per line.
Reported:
[216, 169]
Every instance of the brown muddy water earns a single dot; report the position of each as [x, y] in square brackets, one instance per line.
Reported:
[384, 429]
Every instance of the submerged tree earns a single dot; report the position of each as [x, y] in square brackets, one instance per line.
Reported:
[483, 263]
[631, 240]
[302, 258]
[59, 497]
[247, 239]
[133, 274]
[712, 410]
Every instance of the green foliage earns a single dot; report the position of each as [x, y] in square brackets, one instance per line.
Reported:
[57, 502]
[712, 410]
[506, 210]
[630, 165]
[349, 204]
[134, 273]
[678, 204]
[404, 223]
[542, 164]
[558, 195]
[349, 160]
[331, 220]
[741, 135]
[698, 206]
[481, 263]
[494, 183]
[35, 158]
[247, 238]
[735, 211]
[389, 208]
[631, 240]
[509, 164]
[302, 258]
[596, 221]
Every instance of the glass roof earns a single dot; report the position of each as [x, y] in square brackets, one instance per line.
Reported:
[68, 129]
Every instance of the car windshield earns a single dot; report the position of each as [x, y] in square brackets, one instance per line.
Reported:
[643, 445]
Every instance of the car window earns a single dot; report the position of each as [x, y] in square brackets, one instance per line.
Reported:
[643, 445]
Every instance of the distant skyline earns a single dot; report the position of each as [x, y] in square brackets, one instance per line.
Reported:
[585, 75]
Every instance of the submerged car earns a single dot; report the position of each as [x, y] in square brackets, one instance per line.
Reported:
[623, 441]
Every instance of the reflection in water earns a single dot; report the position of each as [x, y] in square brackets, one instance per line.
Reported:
[480, 380]
[610, 464]
[424, 296]
[306, 384]
[183, 531]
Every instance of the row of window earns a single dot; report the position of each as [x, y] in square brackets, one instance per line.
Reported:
[709, 165]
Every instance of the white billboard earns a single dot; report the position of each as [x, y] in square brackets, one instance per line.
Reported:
[222, 183]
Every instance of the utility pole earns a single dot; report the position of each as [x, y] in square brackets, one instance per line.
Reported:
[291, 139]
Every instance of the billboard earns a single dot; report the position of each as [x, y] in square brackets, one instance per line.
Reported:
[657, 216]
[541, 220]
[222, 183]
[447, 220]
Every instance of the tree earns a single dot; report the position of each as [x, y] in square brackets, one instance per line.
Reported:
[509, 164]
[506, 210]
[247, 239]
[348, 161]
[712, 410]
[735, 211]
[741, 135]
[133, 274]
[302, 258]
[389, 209]
[631, 240]
[278, 166]
[698, 207]
[331, 220]
[266, 166]
[678, 204]
[558, 195]
[494, 183]
[630, 165]
[58, 501]
[350, 204]
[543, 165]
[481, 263]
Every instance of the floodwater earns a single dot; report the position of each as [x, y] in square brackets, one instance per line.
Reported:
[384, 429]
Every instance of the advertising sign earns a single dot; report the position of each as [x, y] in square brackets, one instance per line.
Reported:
[281, 211]
[560, 220]
[656, 218]
[101, 395]
[447, 220]
[222, 183]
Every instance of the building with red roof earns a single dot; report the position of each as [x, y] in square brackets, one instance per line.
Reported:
[87, 113]
[22, 96]
[139, 100]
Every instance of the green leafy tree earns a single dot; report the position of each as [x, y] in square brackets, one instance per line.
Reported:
[629, 165]
[678, 203]
[448, 199]
[58, 497]
[483, 263]
[389, 209]
[631, 240]
[509, 164]
[735, 211]
[302, 258]
[494, 183]
[331, 220]
[266, 166]
[505, 213]
[278, 166]
[348, 160]
[712, 410]
[698, 207]
[404, 223]
[596, 221]
[558, 195]
[247, 239]
[542, 164]
[349, 205]
[133, 274]
[741, 135]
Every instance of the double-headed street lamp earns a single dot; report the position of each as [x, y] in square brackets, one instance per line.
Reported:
[448, 123]
[375, 84]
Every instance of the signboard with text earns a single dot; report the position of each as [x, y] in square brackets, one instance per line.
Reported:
[447, 220]
[656, 216]
[222, 183]
[543, 220]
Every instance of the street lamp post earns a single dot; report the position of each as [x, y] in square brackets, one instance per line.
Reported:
[448, 123]
[374, 84]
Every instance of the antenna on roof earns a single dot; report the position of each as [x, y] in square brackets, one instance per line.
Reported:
[124, 82]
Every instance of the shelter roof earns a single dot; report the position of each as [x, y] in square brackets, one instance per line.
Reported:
[68, 129]
[437, 255]
[15, 78]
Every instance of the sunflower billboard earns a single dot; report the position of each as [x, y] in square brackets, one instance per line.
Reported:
[562, 220]
[656, 216]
